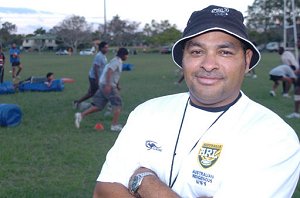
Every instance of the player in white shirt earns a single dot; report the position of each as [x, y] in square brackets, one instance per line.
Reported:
[212, 141]
[284, 74]
[288, 58]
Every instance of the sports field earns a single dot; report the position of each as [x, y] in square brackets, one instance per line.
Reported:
[46, 156]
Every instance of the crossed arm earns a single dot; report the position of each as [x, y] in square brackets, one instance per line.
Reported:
[151, 187]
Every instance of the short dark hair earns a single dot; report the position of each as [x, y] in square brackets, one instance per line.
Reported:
[102, 45]
[49, 74]
[281, 50]
[122, 52]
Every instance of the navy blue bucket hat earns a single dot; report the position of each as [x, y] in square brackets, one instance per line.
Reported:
[213, 18]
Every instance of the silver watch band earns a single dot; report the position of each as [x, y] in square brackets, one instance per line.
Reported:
[136, 181]
[144, 174]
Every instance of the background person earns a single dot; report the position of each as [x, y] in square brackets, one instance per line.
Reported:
[47, 79]
[108, 91]
[284, 74]
[2, 63]
[212, 141]
[50, 78]
[296, 113]
[95, 72]
[288, 58]
[17, 67]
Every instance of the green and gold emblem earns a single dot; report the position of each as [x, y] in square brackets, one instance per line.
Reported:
[209, 154]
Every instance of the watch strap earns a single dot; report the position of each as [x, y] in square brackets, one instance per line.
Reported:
[144, 174]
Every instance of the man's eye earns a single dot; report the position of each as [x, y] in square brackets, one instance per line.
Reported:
[225, 52]
[197, 52]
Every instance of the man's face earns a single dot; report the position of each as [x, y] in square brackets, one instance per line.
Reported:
[124, 58]
[104, 50]
[51, 77]
[214, 65]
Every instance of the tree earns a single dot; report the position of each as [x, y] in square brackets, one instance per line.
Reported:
[266, 17]
[73, 31]
[120, 32]
[161, 33]
[264, 14]
[39, 31]
[6, 32]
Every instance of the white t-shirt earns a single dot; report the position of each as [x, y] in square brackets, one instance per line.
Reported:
[284, 71]
[100, 60]
[288, 58]
[249, 151]
[116, 65]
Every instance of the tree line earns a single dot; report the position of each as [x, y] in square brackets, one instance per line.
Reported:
[264, 20]
[75, 32]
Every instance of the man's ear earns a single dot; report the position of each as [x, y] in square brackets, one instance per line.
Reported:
[248, 57]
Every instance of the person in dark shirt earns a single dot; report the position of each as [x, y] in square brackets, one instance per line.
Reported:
[2, 62]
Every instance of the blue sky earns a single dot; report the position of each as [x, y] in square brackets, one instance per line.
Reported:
[29, 15]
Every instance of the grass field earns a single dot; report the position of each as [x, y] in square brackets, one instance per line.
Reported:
[46, 156]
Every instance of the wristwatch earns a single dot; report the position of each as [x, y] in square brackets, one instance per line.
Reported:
[135, 182]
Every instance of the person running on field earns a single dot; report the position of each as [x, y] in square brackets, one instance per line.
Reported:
[95, 72]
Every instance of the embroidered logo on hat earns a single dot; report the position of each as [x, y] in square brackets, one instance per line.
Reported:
[220, 11]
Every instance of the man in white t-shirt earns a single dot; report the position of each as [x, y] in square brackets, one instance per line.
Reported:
[212, 141]
[288, 58]
[284, 74]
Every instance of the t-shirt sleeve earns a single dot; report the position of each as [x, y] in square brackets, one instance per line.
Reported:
[122, 159]
[114, 65]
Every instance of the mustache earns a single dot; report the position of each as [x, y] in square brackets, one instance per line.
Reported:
[208, 74]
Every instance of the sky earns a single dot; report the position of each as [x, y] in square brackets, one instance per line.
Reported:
[29, 15]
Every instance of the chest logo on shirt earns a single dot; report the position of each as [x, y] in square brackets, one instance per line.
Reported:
[209, 154]
[151, 145]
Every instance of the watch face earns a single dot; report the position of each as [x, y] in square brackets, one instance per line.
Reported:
[135, 183]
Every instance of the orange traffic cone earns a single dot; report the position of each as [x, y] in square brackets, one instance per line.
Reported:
[99, 127]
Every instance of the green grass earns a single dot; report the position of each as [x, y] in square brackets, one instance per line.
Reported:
[46, 156]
